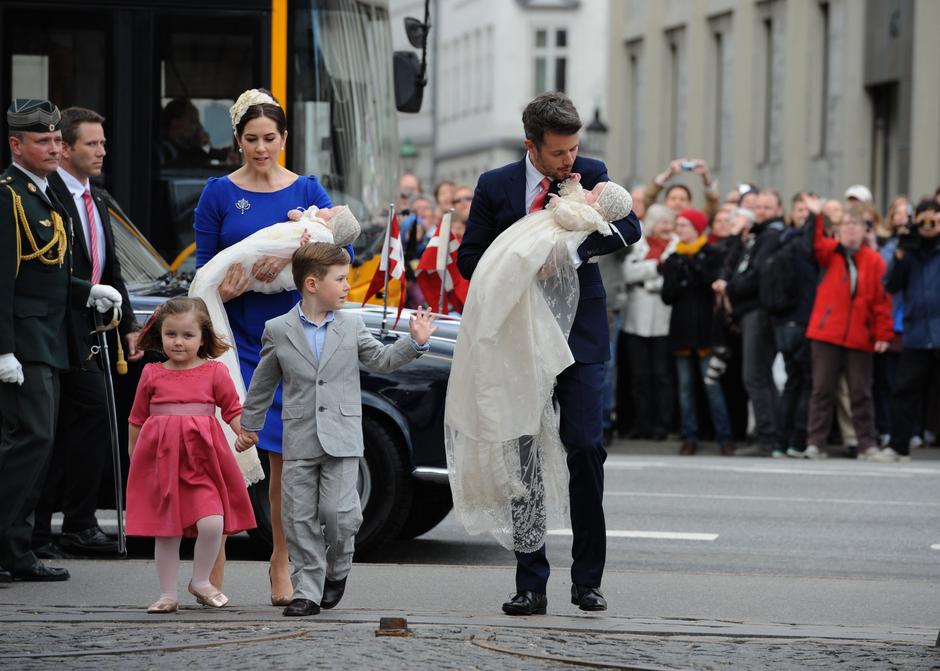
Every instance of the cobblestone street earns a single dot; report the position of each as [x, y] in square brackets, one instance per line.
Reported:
[195, 638]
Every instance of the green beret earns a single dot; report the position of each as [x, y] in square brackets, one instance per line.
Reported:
[33, 115]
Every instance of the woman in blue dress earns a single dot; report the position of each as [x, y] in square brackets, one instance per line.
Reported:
[257, 195]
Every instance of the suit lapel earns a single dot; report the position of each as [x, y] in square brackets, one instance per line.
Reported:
[297, 337]
[515, 190]
[334, 336]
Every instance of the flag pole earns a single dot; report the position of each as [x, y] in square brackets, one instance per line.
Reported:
[443, 238]
[386, 253]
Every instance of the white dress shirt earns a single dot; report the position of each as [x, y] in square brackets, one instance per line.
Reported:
[532, 180]
[76, 188]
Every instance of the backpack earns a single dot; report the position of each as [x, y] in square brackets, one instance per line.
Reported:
[779, 277]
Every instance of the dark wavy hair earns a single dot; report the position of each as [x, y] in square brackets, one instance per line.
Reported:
[273, 112]
[151, 336]
[552, 112]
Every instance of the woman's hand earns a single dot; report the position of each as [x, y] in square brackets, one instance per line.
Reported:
[421, 325]
[234, 284]
[267, 268]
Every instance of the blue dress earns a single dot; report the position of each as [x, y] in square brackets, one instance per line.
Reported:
[227, 214]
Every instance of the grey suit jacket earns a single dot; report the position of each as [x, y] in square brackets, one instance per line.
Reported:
[322, 401]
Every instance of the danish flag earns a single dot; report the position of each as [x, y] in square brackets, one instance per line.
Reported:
[394, 261]
[440, 261]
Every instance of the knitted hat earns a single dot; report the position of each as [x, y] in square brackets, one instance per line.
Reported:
[696, 218]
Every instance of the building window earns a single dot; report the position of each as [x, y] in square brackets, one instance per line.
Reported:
[551, 60]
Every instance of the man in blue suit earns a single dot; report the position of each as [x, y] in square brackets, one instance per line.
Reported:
[503, 196]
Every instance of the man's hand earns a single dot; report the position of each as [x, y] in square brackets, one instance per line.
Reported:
[813, 202]
[104, 298]
[421, 325]
[882, 346]
[234, 283]
[133, 354]
[719, 286]
[11, 371]
[246, 440]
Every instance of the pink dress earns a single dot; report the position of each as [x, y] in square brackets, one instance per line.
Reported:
[183, 468]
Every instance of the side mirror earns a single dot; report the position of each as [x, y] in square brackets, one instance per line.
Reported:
[409, 81]
[417, 32]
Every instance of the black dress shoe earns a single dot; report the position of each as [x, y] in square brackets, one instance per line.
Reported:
[91, 541]
[50, 550]
[39, 572]
[301, 608]
[588, 598]
[332, 592]
[5, 575]
[526, 603]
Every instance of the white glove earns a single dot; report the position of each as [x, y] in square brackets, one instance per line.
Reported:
[104, 297]
[10, 369]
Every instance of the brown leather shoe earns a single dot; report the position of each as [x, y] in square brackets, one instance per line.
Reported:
[689, 447]
[727, 449]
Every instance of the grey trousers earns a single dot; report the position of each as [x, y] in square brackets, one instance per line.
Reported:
[320, 507]
[759, 350]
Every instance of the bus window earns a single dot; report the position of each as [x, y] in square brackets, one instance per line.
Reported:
[204, 62]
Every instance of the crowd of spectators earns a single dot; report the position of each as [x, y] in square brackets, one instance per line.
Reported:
[761, 324]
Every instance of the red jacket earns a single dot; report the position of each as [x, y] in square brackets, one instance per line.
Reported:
[838, 317]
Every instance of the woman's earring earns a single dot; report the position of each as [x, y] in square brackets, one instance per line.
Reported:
[239, 150]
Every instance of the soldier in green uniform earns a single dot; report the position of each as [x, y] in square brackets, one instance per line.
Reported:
[36, 289]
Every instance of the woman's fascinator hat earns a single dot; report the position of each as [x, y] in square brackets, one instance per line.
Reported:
[247, 99]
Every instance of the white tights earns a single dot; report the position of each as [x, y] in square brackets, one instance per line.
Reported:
[166, 553]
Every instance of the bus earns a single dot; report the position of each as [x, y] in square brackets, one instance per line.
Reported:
[165, 72]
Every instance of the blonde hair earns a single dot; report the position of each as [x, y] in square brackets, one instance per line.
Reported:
[314, 260]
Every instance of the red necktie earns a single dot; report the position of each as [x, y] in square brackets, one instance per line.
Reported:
[92, 237]
[539, 201]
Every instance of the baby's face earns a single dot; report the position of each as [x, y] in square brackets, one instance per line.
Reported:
[591, 196]
[326, 215]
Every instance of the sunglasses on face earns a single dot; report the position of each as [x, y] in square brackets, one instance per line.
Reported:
[461, 199]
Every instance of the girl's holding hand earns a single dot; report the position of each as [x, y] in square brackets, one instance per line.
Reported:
[184, 479]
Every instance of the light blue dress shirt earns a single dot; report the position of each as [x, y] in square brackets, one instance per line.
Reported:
[316, 334]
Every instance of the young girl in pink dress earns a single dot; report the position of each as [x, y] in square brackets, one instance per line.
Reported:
[184, 480]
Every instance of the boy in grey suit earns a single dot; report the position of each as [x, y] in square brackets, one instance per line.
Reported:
[315, 350]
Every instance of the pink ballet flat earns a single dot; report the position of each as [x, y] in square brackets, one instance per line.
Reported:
[213, 599]
[163, 605]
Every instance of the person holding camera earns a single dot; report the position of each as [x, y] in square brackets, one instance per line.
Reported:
[678, 196]
[915, 271]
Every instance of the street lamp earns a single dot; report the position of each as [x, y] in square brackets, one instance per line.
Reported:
[595, 136]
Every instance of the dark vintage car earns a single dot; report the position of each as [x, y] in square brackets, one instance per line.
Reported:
[403, 476]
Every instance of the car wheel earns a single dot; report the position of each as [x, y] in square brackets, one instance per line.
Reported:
[430, 504]
[385, 487]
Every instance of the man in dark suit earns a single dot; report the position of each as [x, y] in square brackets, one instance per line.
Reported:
[36, 290]
[502, 197]
[80, 456]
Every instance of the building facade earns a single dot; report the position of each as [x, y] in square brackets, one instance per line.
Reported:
[488, 59]
[795, 94]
